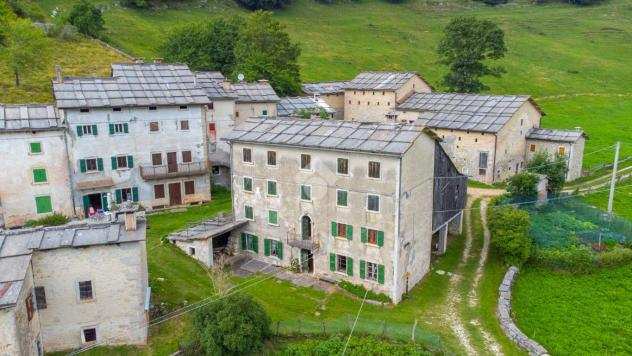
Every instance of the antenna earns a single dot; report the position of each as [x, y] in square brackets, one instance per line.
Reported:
[240, 77]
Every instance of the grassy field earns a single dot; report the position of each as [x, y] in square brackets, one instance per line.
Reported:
[622, 200]
[576, 315]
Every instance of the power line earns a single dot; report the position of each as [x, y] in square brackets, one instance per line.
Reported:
[355, 322]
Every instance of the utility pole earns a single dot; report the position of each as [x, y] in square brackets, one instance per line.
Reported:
[613, 180]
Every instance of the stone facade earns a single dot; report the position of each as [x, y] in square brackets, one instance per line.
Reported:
[246, 110]
[572, 151]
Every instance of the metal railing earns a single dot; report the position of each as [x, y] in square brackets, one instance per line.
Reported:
[174, 170]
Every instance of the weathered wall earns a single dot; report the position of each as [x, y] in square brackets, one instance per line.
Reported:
[414, 84]
[244, 111]
[464, 149]
[368, 105]
[17, 188]
[119, 280]
[203, 250]
[9, 341]
[337, 102]
[574, 153]
[223, 177]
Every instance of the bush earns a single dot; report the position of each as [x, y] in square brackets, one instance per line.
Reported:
[235, 325]
[575, 258]
[493, 2]
[359, 290]
[87, 19]
[50, 220]
[367, 345]
[139, 4]
[617, 256]
[509, 228]
[523, 186]
[27, 9]
[264, 4]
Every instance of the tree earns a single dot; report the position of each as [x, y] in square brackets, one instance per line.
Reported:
[553, 168]
[264, 4]
[204, 46]
[26, 47]
[466, 43]
[509, 228]
[234, 325]
[523, 186]
[264, 51]
[6, 17]
[87, 19]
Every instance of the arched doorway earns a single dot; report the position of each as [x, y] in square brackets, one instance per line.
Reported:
[306, 227]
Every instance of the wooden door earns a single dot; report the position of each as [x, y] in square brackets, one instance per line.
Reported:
[175, 194]
[172, 162]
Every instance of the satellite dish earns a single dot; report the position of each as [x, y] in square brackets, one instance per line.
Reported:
[240, 77]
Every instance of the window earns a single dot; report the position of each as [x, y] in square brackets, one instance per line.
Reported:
[87, 130]
[85, 290]
[371, 271]
[159, 191]
[561, 150]
[156, 159]
[40, 298]
[482, 163]
[192, 251]
[212, 130]
[306, 161]
[89, 335]
[39, 175]
[372, 236]
[341, 197]
[341, 263]
[29, 306]
[90, 165]
[247, 184]
[151, 108]
[35, 148]
[272, 159]
[186, 157]
[374, 169]
[272, 188]
[119, 128]
[343, 166]
[215, 170]
[43, 204]
[273, 248]
[246, 155]
[184, 107]
[189, 187]
[116, 109]
[341, 230]
[249, 242]
[532, 148]
[154, 126]
[264, 113]
[306, 192]
[273, 217]
[121, 162]
[373, 202]
[84, 110]
[126, 194]
[184, 125]
[248, 213]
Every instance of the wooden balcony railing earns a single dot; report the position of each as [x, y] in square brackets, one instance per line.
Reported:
[174, 170]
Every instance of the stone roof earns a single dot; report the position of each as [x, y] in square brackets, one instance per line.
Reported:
[482, 113]
[554, 135]
[323, 87]
[132, 84]
[289, 106]
[260, 91]
[16, 247]
[213, 85]
[28, 117]
[381, 138]
[208, 229]
[379, 80]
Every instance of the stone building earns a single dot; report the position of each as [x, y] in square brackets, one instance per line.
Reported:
[331, 92]
[73, 286]
[35, 180]
[314, 107]
[254, 100]
[569, 144]
[138, 135]
[346, 200]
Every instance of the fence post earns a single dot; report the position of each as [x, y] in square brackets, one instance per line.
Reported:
[277, 330]
[323, 322]
[412, 336]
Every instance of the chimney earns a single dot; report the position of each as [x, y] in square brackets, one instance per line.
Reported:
[130, 221]
[58, 77]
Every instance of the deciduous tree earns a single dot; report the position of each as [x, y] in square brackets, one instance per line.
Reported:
[87, 18]
[554, 168]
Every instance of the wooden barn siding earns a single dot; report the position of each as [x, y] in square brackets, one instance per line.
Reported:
[449, 193]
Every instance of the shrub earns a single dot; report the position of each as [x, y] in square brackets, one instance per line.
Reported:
[523, 186]
[554, 168]
[50, 220]
[359, 290]
[235, 325]
[87, 19]
[263, 4]
[27, 9]
[509, 228]
[493, 2]
[616, 256]
[139, 4]
[368, 345]
[575, 259]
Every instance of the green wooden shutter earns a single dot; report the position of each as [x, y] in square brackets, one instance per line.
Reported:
[380, 274]
[39, 175]
[111, 129]
[332, 262]
[280, 249]
[349, 266]
[114, 165]
[43, 204]
[104, 202]
[380, 238]
[82, 165]
[125, 128]
[86, 204]
[243, 241]
[100, 164]
[349, 232]
[130, 161]
[334, 229]
[119, 196]
[266, 247]
[36, 147]
[94, 130]
[255, 244]
[79, 131]
[135, 193]
[363, 234]
[362, 268]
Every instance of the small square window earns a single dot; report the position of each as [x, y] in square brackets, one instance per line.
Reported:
[154, 126]
[247, 184]
[184, 125]
[373, 202]
[35, 148]
[374, 169]
[89, 335]
[215, 170]
[371, 271]
[306, 161]
[532, 148]
[561, 151]
[184, 107]
[85, 290]
[273, 217]
[92, 165]
[272, 159]
[341, 199]
[247, 155]
[84, 110]
[43, 204]
[343, 166]
[192, 251]
[341, 263]
[121, 162]
[40, 297]
[371, 236]
[39, 175]
[264, 113]
[306, 192]
[248, 213]
[186, 157]
[159, 191]
[156, 159]
[152, 108]
[189, 187]
[116, 109]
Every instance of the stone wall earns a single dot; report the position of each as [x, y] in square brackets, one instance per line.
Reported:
[507, 323]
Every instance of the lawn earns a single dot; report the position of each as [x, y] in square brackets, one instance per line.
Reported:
[576, 315]
[622, 200]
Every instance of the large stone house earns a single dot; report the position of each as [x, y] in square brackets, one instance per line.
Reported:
[35, 179]
[349, 200]
[138, 135]
[254, 100]
[73, 286]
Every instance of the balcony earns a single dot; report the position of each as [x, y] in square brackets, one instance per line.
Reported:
[174, 170]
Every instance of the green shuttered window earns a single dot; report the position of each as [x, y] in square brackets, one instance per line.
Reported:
[43, 204]
[248, 212]
[372, 271]
[39, 175]
[273, 217]
[272, 188]
[341, 230]
[248, 184]
[35, 147]
[273, 248]
[371, 236]
[341, 197]
[249, 242]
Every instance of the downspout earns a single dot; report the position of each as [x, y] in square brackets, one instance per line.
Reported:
[397, 237]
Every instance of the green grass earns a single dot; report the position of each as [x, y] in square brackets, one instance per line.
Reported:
[576, 315]
[622, 199]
